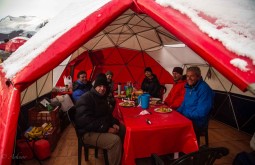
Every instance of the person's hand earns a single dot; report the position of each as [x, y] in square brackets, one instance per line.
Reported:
[115, 126]
[113, 130]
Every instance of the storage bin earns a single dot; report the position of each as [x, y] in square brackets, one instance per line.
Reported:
[53, 137]
[38, 116]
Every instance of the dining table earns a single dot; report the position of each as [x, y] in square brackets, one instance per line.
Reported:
[160, 133]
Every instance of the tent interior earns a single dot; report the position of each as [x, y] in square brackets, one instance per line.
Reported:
[132, 42]
[128, 44]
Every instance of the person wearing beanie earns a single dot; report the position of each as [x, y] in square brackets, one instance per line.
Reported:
[95, 122]
[80, 86]
[177, 92]
[150, 83]
[110, 96]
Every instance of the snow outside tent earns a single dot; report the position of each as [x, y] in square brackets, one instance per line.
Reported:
[123, 36]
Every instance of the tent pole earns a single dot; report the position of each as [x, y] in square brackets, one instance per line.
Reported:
[248, 120]
[232, 108]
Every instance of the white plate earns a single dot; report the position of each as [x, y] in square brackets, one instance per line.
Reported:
[155, 99]
[163, 110]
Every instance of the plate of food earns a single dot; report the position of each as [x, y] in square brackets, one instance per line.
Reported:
[120, 96]
[127, 104]
[163, 110]
[155, 102]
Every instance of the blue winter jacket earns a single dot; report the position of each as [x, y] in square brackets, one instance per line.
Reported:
[198, 102]
[79, 89]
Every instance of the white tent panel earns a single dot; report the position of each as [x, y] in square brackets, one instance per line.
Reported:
[39, 88]
[29, 94]
[58, 70]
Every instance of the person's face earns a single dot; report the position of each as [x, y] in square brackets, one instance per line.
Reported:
[176, 76]
[109, 77]
[192, 78]
[101, 89]
[83, 78]
[148, 74]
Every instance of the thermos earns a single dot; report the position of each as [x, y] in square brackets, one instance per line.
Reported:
[119, 89]
[144, 100]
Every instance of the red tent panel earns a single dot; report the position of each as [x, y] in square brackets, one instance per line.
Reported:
[126, 64]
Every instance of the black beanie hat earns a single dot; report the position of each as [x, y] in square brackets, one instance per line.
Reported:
[100, 80]
[178, 70]
[148, 69]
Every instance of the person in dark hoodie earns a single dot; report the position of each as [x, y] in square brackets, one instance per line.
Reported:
[150, 83]
[95, 122]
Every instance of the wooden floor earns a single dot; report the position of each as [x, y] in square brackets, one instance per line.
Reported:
[219, 135]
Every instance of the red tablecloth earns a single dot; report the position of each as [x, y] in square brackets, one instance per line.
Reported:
[168, 133]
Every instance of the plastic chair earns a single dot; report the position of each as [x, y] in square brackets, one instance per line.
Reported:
[156, 160]
[205, 156]
[204, 131]
[71, 114]
[201, 133]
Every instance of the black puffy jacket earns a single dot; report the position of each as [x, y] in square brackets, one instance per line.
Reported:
[93, 113]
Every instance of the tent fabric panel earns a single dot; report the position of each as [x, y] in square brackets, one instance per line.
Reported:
[126, 64]
[211, 50]
[70, 41]
[10, 105]
[59, 70]
[29, 94]
[82, 62]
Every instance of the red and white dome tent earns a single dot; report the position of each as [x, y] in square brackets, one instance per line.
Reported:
[13, 44]
[119, 35]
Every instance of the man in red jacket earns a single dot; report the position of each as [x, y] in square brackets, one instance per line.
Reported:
[176, 95]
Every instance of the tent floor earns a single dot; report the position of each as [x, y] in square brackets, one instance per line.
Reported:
[219, 135]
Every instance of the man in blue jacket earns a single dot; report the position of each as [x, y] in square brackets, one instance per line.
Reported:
[81, 85]
[198, 99]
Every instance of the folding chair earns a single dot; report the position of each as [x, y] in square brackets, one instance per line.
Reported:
[71, 115]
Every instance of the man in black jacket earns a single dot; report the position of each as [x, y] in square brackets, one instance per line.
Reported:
[95, 122]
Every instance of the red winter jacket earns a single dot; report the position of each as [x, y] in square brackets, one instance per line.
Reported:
[176, 95]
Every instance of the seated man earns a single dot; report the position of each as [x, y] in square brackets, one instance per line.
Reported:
[95, 121]
[176, 95]
[198, 99]
[80, 86]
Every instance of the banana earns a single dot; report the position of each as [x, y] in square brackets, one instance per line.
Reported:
[31, 134]
[33, 129]
[44, 125]
[38, 134]
[47, 127]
